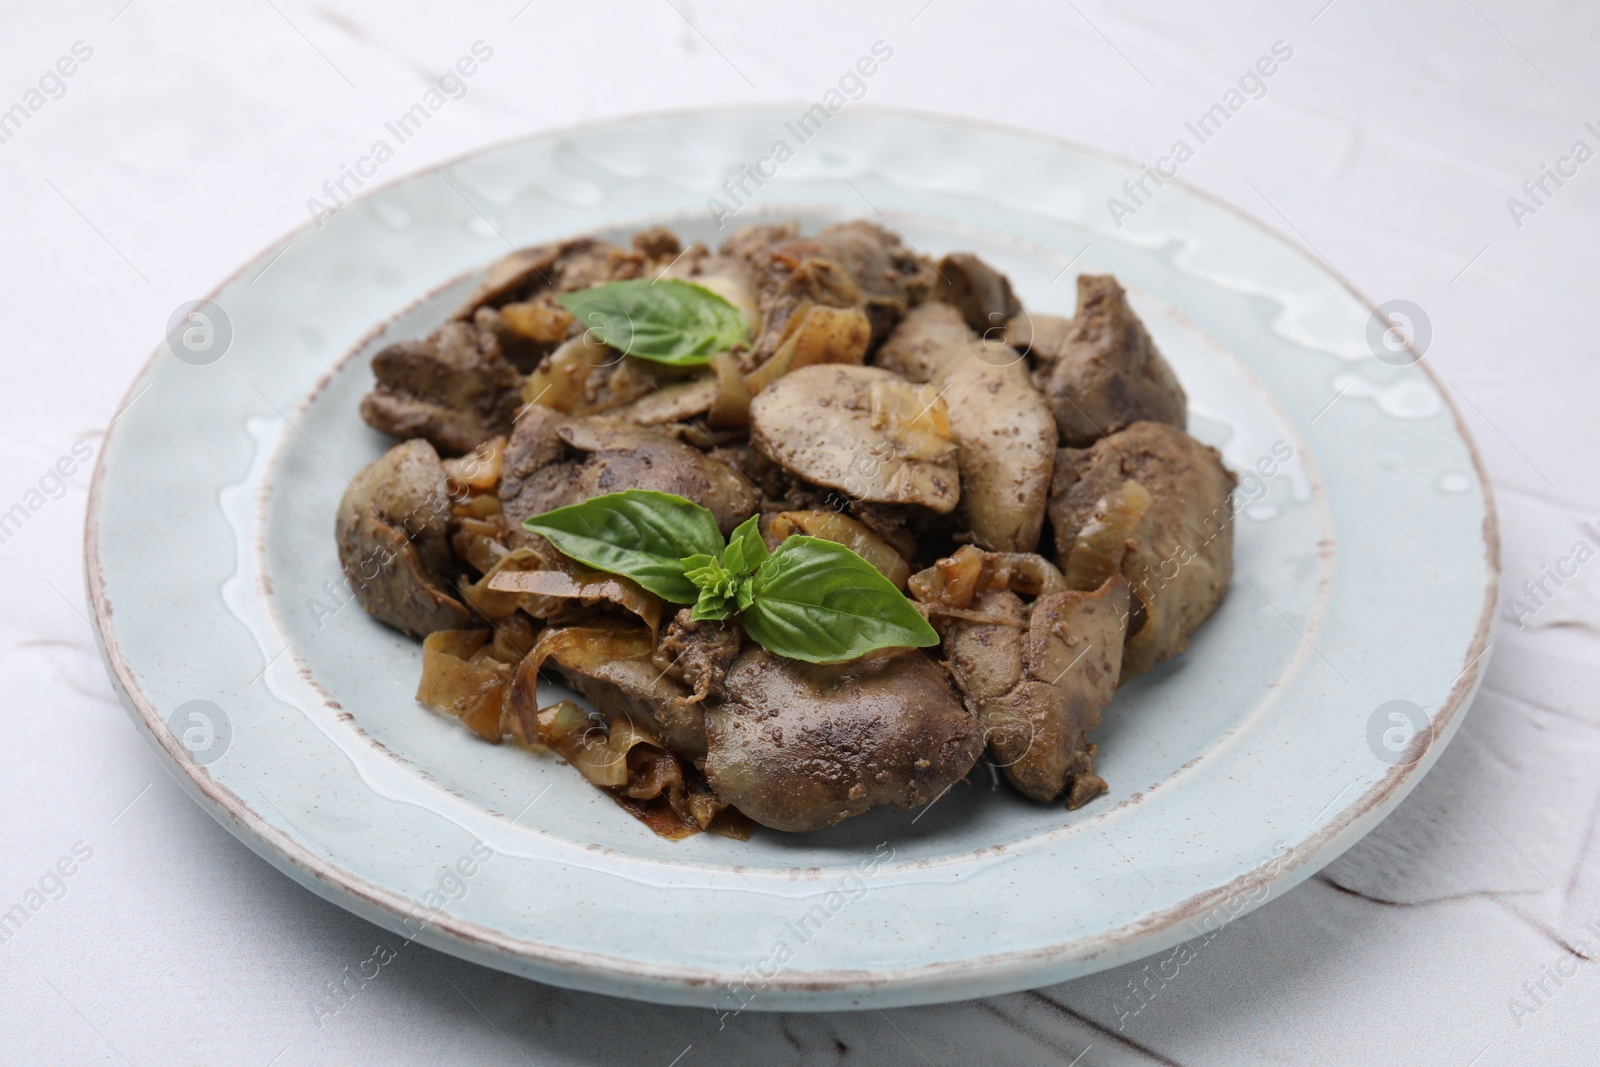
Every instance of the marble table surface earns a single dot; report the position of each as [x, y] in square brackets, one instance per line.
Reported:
[1396, 145]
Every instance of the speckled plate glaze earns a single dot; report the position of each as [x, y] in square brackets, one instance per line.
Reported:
[1339, 665]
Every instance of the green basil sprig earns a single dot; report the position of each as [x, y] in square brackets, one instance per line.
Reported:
[672, 321]
[640, 534]
[810, 599]
[724, 580]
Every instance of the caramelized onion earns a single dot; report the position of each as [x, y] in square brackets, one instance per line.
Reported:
[730, 409]
[815, 334]
[597, 748]
[480, 543]
[670, 798]
[543, 322]
[585, 377]
[577, 582]
[630, 764]
[578, 647]
[1146, 610]
[1103, 541]
[458, 679]
[562, 378]
[651, 772]
[542, 581]
[497, 604]
[705, 807]
[514, 637]
[478, 471]
[581, 647]
[1022, 572]
[480, 506]
[951, 584]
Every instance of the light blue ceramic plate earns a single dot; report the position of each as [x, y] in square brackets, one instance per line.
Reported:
[1330, 679]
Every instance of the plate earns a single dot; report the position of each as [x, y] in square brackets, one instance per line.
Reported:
[1336, 670]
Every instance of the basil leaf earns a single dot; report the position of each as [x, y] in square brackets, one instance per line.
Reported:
[711, 607]
[640, 534]
[702, 569]
[817, 601]
[746, 550]
[673, 322]
[718, 586]
[810, 600]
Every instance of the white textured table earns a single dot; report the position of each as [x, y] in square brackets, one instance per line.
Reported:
[190, 135]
